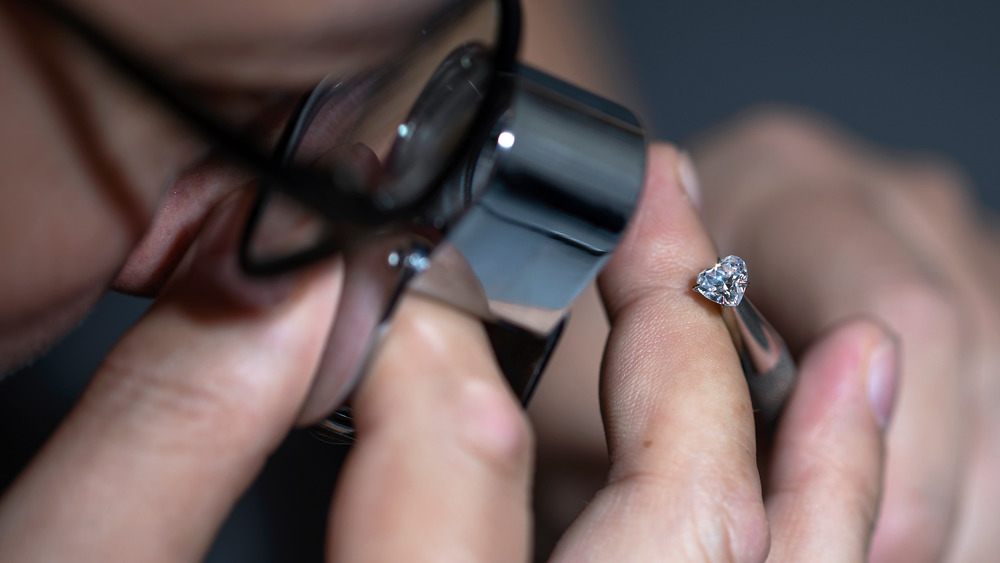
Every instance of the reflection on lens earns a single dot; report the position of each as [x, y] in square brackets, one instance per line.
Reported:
[411, 114]
[354, 168]
[442, 114]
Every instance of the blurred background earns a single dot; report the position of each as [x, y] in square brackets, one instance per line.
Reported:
[916, 75]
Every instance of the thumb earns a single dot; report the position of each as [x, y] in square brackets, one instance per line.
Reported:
[825, 482]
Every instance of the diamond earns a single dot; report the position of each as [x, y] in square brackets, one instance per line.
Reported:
[725, 282]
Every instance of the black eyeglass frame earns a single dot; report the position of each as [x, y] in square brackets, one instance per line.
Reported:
[310, 187]
[594, 199]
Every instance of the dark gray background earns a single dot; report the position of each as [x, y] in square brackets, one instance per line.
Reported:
[919, 75]
[914, 75]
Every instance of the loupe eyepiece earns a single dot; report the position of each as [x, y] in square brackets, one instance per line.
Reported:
[546, 198]
[530, 219]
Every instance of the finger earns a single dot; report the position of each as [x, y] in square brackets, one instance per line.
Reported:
[929, 204]
[565, 412]
[935, 213]
[684, 480]
[176, 423]
[826, 473]
[864, 269]
[976, 537]
[825, 251]
[441, 471]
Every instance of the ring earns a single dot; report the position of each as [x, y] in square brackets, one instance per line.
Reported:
[767, 364]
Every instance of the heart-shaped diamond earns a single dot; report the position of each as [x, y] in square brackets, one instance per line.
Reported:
[724, 282]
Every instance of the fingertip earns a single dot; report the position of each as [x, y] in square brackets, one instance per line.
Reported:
[828, 461]
[666, 243]
[443, 447]
[662, 193]
[434, 374]
[850, 369]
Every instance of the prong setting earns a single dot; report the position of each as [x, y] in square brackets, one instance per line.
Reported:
[725, 282]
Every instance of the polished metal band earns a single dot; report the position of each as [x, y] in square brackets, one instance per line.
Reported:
[767, 364]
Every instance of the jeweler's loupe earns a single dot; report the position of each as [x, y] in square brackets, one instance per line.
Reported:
[500, 190]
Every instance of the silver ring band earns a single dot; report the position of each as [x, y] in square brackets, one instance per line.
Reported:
[767, 364]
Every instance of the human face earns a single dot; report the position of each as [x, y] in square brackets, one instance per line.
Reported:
[101, 187]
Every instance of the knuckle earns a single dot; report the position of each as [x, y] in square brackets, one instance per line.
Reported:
[711, 519]
[731, 531]
[493, 429]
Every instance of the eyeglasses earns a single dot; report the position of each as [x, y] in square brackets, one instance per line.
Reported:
[431, 161]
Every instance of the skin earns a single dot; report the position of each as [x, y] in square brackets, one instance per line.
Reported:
[435, 381]
[908, 246]
[780, 186]
[86, 175]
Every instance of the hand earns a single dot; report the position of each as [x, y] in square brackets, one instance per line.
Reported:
[189, 404]
[832, 228]
[683, 482]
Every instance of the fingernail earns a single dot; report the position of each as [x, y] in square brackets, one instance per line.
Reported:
[883, 380]
[688, 177]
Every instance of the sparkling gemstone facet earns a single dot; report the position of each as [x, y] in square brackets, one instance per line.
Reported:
[725, 282]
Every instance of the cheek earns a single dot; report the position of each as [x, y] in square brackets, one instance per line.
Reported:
[57, 244]
[23, 342]
[59, 248]
[61, 241]
[69, 211]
